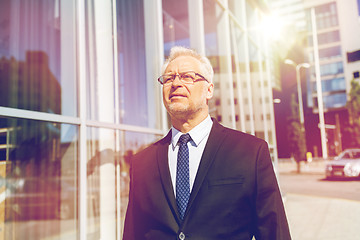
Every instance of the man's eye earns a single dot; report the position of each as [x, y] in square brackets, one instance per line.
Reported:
[168, 78]
[187, 77]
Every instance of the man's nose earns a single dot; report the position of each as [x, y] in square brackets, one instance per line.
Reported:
[177, 80]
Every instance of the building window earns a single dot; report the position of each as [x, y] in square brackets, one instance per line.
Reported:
[325, 38]
[326, 16]
[336, 84]
[329, 37]
[329, 69]
[335, 100]
[356, 74]
[328, 53]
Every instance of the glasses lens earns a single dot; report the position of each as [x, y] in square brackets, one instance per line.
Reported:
[187, 77]
[167, 78]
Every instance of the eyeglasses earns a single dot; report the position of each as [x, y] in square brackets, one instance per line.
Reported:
[185, 77]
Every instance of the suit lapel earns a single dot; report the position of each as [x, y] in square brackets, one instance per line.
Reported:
[162, 159]
[212, 146]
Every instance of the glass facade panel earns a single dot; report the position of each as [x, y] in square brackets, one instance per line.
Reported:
[218, 49]
[101, 184]
[130, 143]
[100, 65]
[235, 6]
[109, 153]
[134, 87]
[37, 60]
[251, 21]
[123, 98]
[38, 168]
[175, 24]
[211, 40]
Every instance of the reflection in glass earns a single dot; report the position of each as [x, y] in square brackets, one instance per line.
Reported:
[175, 24]
[210, 28]
[38, 179]
[101, 206]
[99, 59]
[109, 156]
[132, 142]
[133, 83]
[126, 97]
[36, 73]
[235, 6]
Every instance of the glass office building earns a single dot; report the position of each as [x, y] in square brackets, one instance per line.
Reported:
[336, 22]
[79, 96]
[330, 56]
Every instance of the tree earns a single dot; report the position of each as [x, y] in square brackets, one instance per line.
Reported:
[295, 134]
[353, 107]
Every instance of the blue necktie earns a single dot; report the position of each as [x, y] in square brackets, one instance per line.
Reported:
[182, 175]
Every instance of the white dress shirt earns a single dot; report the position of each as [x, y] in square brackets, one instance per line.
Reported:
[199, 136]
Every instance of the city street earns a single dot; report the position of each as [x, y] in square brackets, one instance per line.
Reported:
[318, 208]
[315, 184]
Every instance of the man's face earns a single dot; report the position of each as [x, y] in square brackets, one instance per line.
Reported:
[186, 100]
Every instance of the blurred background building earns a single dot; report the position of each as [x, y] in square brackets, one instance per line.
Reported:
[337, 25]
[79, 96]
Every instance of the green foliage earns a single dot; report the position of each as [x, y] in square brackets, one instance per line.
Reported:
[295, 134]
[353, 107]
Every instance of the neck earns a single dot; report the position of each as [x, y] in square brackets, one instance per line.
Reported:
[184, 125]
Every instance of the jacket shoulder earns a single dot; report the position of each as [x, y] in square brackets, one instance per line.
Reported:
[236, 136]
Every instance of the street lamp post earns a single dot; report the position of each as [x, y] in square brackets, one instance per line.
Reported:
[297, 68]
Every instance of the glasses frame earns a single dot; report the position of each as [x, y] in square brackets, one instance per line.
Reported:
[201, 78]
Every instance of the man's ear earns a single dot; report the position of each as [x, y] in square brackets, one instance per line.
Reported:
[210, 91]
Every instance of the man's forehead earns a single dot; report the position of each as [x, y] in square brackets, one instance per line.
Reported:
[184, 62]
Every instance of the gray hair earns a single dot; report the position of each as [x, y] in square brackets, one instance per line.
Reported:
[177, 51]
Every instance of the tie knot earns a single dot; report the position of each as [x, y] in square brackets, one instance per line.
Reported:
[184, 138]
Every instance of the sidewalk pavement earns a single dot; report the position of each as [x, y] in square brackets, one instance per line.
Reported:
[320, 218]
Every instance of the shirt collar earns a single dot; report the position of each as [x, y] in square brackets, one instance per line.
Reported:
[197, 134]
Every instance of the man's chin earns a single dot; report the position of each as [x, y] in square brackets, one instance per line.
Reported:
[177, 108]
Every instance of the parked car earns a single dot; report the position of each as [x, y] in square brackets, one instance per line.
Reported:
[347, 164]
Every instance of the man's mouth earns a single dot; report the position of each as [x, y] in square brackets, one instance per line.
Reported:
[177, 95]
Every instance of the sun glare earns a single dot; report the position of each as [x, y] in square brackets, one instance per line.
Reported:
[272, 27]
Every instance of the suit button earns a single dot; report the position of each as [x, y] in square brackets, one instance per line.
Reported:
[181, 236]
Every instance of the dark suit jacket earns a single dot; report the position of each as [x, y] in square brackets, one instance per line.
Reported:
[235, 193]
